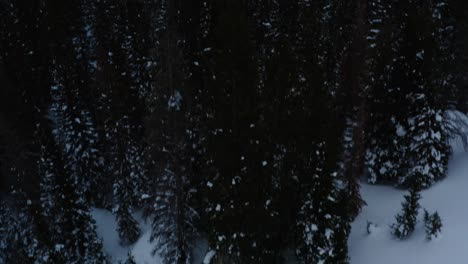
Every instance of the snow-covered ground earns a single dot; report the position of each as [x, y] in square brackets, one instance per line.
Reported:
[141, 250]
[106, 229]
[449, 197]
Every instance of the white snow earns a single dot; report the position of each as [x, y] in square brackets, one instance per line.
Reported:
[141, 250]
[313, 227]
[420, 55]
[209, 256]
[175, 101]
[448, 197]
[106, 229]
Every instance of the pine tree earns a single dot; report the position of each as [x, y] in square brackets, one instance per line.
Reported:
[128, 167]
[407, 218]
[242, 186]
[69, 162]
[19, 241]
[429, 146]
[384, 150]
[352, 86]
[172, 186]
[408, 134]
[427, 139]
[323, 226]
[72, 236]
[22, 66]
[432, 224]
[443, 74]
[458, 10]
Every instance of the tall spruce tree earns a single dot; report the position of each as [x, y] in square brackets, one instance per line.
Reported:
[408, 107]
[383, 157]
[352, 86]
[129, 166]
[322, 220]
[239, 159]
[74, 131]
[75, 238]
[427, 140]
[19, 240]
[173, 212]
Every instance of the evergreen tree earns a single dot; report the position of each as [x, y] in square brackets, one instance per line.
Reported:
[458, 12]
[408, 133]
[24, 90]
[66, 165]
[384, 152]
[429, 146]
[257, 115]
[19, 241]
[239, 161]
[427, 139]
[172, 185]
[72, 236]
[432, 224]
[406, 220]
[128, 162]
[352, 87]
[323, 227]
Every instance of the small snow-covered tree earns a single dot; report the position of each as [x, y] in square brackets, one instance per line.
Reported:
[407, 218]
[432, 224]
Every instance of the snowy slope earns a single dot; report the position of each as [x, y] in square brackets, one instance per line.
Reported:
[449, 197]
[141, 250]
[106, 229]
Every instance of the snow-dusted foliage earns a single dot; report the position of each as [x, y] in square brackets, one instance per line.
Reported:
[323, 226]
[409, 132]
[19, 241]
[127, 168]
[71, 229]
[383, 155]
[248, 124]
[407, 218]
[428, 146]
[75, 133]
[68, 168]
[173, 226]
[432, 225]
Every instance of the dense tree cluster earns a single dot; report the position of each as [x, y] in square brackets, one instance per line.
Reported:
[248, 123]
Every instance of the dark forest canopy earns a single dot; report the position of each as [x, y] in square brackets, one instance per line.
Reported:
[249, 123]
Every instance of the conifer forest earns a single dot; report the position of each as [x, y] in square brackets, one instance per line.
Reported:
[231, 131]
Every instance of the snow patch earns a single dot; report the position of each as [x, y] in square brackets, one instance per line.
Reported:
[448, 197]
